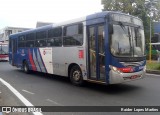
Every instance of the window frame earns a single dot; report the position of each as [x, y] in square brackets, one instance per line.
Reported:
[80, 32]
[55, 37]
[41, 36]
[28, 39]
[20, 41]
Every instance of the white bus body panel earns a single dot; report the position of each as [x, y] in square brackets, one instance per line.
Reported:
[46, 54]
[58, 59]
[64, 56]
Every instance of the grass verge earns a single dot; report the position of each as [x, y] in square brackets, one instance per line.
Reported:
[153, 65]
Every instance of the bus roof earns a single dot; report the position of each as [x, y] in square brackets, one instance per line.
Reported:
[31, 30]
[85, 18]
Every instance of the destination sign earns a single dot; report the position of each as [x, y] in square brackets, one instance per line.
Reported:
[126, 19]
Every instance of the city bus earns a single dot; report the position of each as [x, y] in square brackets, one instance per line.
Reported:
[4, 51]
[155, 51]
[155, 46]
[106, 47]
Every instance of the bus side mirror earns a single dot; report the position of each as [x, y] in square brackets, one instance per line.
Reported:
[110, 28]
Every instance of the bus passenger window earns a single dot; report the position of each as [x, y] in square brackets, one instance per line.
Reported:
[57, 42]
[54, 42]
[30, 44]
[41, 35]
[50, 42]
[41, 39]
[40, 43]
[55, 32]
[54, 37]
[73, 35]
[21, 41]
[30, 36]
[21, 38]
[21, 44]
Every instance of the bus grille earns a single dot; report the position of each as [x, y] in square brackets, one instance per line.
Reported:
[132, 63]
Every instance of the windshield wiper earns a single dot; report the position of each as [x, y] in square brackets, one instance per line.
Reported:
[128, 34]
[131, 46]
[123, 27]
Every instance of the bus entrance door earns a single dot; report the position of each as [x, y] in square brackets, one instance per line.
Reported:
[96, 52]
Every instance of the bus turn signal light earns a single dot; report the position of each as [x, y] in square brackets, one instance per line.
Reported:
[122, 70]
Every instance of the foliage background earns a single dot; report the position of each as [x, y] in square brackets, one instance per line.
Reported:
[144, 9]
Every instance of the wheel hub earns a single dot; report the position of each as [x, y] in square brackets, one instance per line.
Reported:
[76, 75]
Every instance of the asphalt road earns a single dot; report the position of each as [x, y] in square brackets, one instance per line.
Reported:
[47, 90]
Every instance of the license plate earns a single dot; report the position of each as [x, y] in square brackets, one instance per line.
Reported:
[135, 76]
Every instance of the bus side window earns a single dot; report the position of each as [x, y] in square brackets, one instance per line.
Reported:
[41, 39]
[73, 35]
[54, 37]
[21, 41]
[40, 43]
[30, 38]
[30, 44]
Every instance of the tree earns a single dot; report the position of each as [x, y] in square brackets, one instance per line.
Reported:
[139, 8]
[134, 7]
[153, 9]
[118, 5]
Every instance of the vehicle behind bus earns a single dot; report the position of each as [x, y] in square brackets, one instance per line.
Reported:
[155, 47]
[106, 47]
[4, 51]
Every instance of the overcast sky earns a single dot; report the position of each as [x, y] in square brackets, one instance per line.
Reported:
[25, 13]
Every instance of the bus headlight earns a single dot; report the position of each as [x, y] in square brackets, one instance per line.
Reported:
[115, 69]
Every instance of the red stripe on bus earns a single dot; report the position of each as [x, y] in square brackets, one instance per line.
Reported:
[31, 61]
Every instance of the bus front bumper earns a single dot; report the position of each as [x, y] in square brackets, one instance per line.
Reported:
[116, 78]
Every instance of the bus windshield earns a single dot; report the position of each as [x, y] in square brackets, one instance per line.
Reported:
[3, 49]
[127, 41]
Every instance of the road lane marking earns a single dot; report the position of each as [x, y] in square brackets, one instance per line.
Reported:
[53, 102]
[27, 91]
[21, 97]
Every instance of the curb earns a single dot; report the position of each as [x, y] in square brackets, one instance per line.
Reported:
[153, 71]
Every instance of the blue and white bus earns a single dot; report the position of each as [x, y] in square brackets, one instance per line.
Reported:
[106, 47]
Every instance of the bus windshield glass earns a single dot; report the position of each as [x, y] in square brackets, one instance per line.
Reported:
[127, 41]
[3, 49]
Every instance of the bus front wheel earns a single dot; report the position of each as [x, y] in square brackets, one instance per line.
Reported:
[76, 75]
[25, 67]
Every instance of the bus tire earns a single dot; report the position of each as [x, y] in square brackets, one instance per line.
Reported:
[76, 76]
[25, 67]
